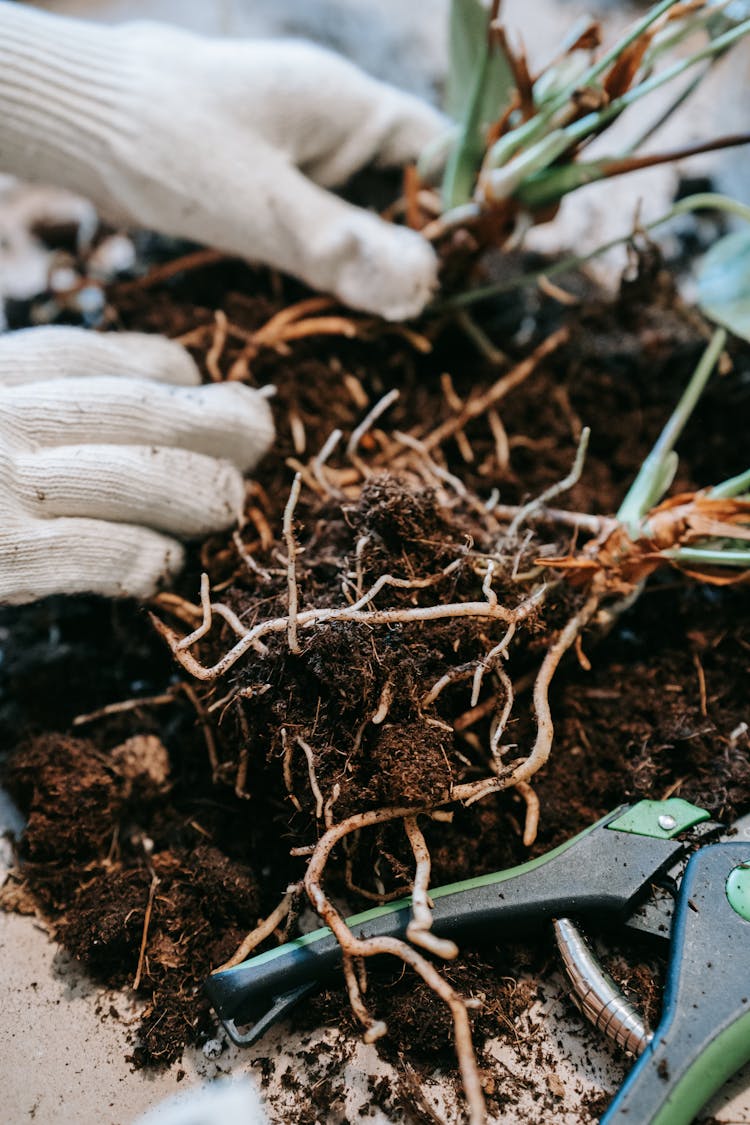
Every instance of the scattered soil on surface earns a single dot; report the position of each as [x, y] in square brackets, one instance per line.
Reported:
[154, 840]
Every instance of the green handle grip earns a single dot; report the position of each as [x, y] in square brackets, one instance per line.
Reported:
[599, 872]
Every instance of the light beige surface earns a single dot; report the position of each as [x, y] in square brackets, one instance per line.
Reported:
[64, 1054]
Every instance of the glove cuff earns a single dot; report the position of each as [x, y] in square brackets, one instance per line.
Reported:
[65, 95]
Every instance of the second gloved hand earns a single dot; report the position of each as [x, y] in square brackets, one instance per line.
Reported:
[229, 143]
[110, 452]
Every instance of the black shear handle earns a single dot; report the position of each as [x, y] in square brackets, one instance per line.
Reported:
[600, 872]
[704, 1034]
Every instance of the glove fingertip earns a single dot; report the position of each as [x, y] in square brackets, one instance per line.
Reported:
[229, 497]
[259, 425]
[158, 358]
[391, 271]
[42, 557]
[416, 126]
[135, 562]
[173, 560]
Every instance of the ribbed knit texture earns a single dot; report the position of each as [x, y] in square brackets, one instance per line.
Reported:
[64, 97]
[207, 139]
[59, 351]
[109, 449]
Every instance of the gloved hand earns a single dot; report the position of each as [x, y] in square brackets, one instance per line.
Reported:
[109, 448]
[230, 143]
[215, 1103]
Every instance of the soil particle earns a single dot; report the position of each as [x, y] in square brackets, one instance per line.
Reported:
[89, 856]
[71, 795]
[411, 763]
[397, 513]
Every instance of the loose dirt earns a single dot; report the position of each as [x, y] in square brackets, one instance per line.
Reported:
[154, 858]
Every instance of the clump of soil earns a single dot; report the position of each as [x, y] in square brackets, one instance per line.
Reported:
[94, 864]
[159, 874]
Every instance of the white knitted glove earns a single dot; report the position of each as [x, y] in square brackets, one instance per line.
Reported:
[216, 1103]
[106, 443]
[230, 143]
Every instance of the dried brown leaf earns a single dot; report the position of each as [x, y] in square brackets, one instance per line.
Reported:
[620, 76]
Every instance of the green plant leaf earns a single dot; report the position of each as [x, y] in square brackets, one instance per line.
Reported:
[706, 556]
[537, 126]
[658, 470]
[724, 283]
[735, 486]
[468, 46]
[469, 53]
[550, 184]
[479, 86]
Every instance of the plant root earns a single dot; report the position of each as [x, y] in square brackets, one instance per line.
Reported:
[291, 550]
[307, 619]
[144, 938]
[353, 947]
[545, 729]
[531, 825]
[263, 930]
[418, 930]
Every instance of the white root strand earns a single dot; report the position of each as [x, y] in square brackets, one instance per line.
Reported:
[286, 767]
[557, 489]
[420, 925]
[369, 420]
[319, 800]
[374, 1029]
[318, 462]
[531, 824]
[311, 617]
[500, 720]
[291, 550]
[545, 728]
[262, 931]
[367, 947]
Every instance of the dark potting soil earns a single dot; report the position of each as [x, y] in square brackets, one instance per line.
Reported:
[130, 827]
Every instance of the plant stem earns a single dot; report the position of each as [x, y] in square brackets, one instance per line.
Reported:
[735, 486]
[594, 121]
[670, 37]
[460, 169]
[652, 480]
[550, 185]
[702, 201]
[506, 169]
[503, 180]
[532, 130]
[696, 556]
[666, 441]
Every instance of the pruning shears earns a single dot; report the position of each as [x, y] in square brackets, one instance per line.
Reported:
[659, 867]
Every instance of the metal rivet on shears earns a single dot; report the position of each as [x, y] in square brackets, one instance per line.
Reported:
[667, 822]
